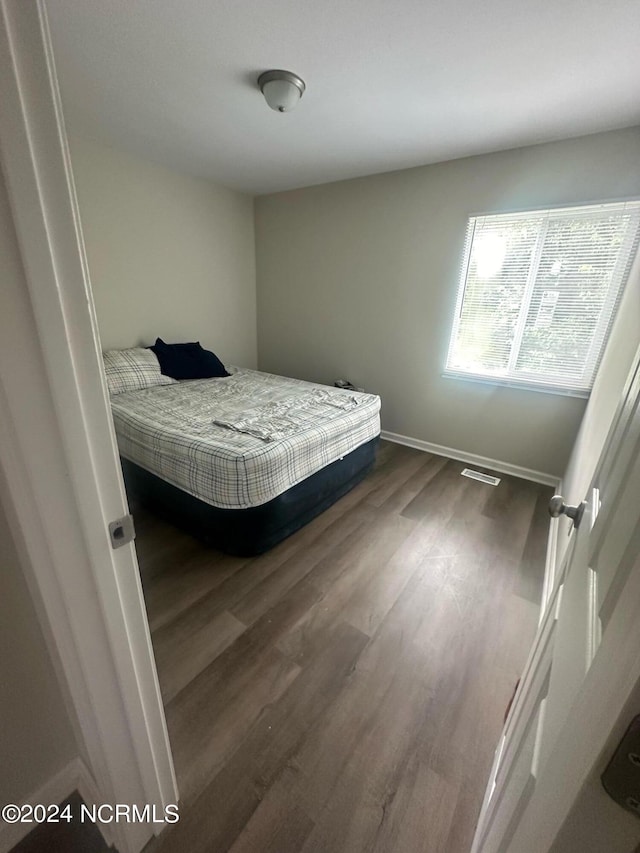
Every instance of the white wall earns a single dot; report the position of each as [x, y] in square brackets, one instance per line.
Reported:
[359, 278]
[169, 255]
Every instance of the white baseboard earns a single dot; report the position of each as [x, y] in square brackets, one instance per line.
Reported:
[73, 777]
[472, 458]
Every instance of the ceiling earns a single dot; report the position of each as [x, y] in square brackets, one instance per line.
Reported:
[390, 83]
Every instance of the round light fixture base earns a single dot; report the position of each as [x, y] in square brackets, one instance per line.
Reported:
[281, 89]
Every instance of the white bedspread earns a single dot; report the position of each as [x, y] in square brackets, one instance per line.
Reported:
[242, 440]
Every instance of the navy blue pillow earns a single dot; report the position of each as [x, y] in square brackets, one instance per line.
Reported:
[187, 361]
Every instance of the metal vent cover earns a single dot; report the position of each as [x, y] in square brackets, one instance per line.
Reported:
[483, 478]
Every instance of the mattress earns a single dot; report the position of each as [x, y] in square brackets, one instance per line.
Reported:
[240, 441]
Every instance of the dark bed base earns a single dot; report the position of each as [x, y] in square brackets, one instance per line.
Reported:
[247, 532]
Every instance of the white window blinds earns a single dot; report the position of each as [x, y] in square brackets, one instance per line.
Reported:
[538, 293]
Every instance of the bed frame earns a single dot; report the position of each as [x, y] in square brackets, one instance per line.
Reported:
[247, 532]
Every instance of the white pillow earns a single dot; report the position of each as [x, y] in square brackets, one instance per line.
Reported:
[132, 370]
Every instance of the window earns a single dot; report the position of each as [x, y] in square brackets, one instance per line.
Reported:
[538, 293]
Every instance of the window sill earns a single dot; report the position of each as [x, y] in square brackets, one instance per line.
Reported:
[517, 384]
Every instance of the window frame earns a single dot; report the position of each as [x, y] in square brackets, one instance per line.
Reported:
[533, 382]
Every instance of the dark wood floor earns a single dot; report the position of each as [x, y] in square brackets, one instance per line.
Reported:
[345, 691]
[74, 837]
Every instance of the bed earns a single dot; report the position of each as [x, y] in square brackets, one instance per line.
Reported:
[245, 460]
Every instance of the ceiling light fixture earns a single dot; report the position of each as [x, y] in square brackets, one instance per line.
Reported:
[281, 89]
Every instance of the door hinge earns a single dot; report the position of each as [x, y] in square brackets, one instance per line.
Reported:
[122, 531]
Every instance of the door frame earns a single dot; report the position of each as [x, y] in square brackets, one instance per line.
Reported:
[88, 595]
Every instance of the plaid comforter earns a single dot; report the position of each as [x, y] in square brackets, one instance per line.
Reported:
[240, 441]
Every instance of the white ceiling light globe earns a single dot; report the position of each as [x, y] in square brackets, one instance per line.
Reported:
[281, 89]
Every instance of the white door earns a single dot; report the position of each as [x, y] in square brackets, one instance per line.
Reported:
[580, 688]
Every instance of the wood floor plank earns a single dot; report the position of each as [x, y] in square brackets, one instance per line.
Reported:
[420, 792]
[399, 498]
[237, 586]
[465, 817]
[277, 737]
[455, 600]
[339, 577]
[372, 600]
[297, 553]
[403, 471]
[391, 457]
[277, 826]
[213, 821]
[502, 495]
[185, 647]
[327, 747]
[358, 710]
[437, 499]
[181, 585]
[530, 579]
[511, 645]
[471, 686]
[160, 545]
[512, 524]
[267, 593]
[351, 817]
[267, 750]
[209, 718]
[208, 723]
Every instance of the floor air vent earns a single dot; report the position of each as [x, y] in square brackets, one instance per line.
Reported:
[478, 475]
